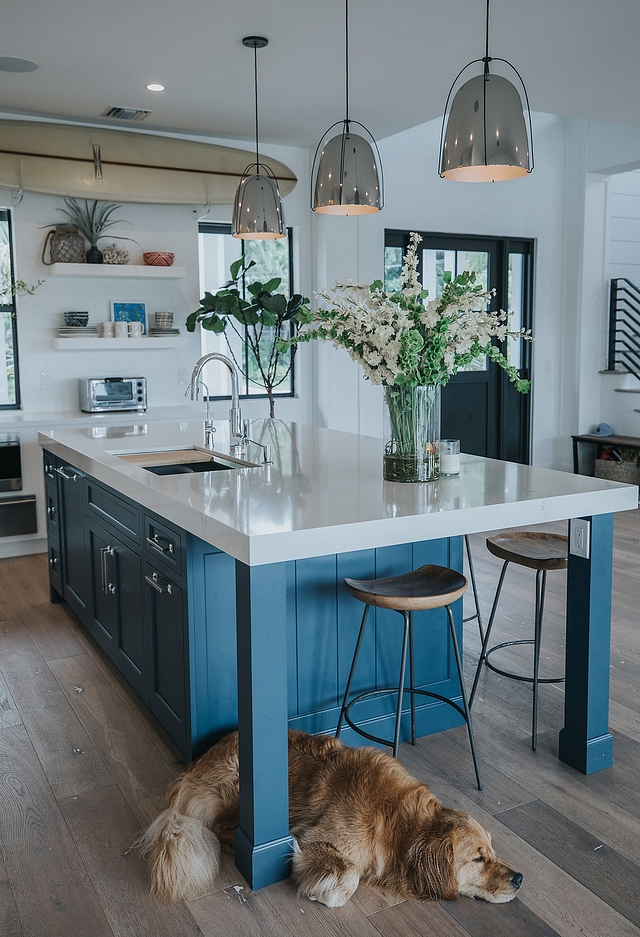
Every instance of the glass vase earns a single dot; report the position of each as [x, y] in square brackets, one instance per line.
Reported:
[412, 433]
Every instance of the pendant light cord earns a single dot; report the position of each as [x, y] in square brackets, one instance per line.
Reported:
[486, 44]
[255, 77]
[346, 66]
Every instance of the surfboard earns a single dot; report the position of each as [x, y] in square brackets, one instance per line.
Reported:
[123, 165]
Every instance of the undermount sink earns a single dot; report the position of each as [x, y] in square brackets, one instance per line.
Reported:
[187, 468]
[184, 461]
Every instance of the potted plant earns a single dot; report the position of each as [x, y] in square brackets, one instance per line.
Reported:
[92, 219]
[261, 322]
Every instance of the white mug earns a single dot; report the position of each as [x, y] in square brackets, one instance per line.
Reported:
[120, 329]
[135, 330]
[107, 329]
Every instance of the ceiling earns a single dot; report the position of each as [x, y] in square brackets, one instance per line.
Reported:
[578, 58]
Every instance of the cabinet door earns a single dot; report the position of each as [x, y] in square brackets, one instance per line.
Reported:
[71, 495]
[166, 622]
[117, 616]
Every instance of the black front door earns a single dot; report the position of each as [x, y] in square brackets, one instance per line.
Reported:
[480, 406]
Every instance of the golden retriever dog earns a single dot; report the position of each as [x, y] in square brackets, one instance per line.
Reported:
[355, 815]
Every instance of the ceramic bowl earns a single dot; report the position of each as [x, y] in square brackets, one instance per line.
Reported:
[76, 319]
[158, 258]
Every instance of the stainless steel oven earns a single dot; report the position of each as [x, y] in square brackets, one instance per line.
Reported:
[17, 514]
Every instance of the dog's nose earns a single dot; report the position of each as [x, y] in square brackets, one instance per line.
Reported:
[516, 879]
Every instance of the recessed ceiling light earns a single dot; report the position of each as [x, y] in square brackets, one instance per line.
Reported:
[155, 87]
[13, 63]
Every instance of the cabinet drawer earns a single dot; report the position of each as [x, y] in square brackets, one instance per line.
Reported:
[106, 506]
[164, 544]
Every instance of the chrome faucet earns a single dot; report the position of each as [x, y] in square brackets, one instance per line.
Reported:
[235, 415]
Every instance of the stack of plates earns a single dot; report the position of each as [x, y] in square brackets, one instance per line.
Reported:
[72, 331]
[158, 333]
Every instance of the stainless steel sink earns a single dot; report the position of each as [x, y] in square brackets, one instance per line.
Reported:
[184, 461]
[188, 468]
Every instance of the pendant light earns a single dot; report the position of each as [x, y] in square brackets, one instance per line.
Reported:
[488, 135]
[346, 177]
[257, 209]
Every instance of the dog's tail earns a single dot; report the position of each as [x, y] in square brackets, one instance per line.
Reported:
[183, 854]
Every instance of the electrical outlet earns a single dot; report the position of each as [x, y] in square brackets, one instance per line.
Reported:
[45, 380]
[182, 375]
[579, 537]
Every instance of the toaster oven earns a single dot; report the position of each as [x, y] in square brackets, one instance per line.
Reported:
[112, 393]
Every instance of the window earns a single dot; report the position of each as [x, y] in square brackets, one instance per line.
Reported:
[9, 388]
[273, 258]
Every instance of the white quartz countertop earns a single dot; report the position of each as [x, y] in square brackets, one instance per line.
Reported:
[13, 420]
[324, 492]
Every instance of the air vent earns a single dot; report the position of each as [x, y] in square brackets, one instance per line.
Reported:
[126, 113]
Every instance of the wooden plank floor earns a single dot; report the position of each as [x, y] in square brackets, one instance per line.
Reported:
[83, 767]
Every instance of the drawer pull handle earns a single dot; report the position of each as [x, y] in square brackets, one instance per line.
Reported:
[51, 510]
[111, 589]
[155, 542]
[69, 478]
[53, 560]
[153, 583]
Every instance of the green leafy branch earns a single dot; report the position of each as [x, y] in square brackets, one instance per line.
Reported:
[260, 322]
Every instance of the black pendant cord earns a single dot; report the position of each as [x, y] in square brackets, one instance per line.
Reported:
[255, 77]
[486, 44]
[346, 65]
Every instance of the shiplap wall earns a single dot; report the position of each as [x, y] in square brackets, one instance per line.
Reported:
[619, 409]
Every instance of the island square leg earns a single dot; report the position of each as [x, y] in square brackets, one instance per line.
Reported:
[263, 845]
[585, 740]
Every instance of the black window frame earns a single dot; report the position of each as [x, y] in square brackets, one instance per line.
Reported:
[218, 227]
[10, 308]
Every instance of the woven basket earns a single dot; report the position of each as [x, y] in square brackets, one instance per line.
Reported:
[618, 471]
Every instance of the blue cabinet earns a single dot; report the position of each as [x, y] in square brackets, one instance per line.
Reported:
[162, 603]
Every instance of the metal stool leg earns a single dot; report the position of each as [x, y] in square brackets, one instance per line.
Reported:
[345, 699]
[467, 711]
[485, 643]
[403, 666]
[474, 589]
[412, 682]
[541, 581]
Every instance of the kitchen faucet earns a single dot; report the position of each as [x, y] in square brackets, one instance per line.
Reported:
[235, 416]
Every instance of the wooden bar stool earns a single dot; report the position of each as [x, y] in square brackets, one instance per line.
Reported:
[537, 550]
[426, 588]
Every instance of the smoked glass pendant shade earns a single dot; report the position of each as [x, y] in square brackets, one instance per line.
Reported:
[346, 178]
[257, 208]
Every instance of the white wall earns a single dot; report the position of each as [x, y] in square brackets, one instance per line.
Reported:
[618, 409]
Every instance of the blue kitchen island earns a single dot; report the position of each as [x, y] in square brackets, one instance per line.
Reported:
[262, 551]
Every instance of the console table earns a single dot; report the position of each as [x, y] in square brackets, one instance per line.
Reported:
[602, 442]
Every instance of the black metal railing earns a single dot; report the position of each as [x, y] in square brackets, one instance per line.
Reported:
[624, 327]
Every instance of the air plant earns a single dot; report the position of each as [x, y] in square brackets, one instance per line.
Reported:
[91, 218]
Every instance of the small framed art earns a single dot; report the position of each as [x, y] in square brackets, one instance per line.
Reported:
[130, 312]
